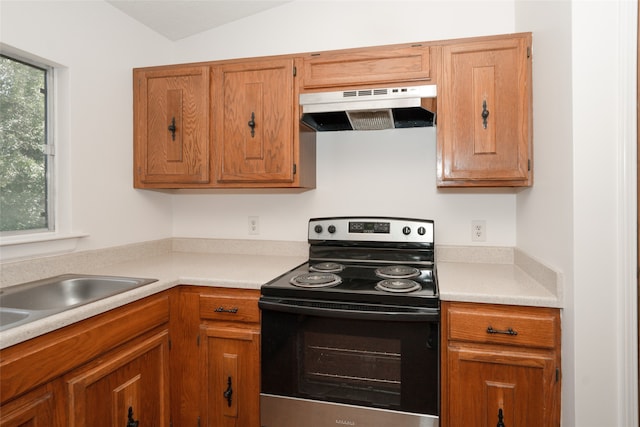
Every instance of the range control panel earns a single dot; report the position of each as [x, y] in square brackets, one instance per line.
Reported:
[378, 229]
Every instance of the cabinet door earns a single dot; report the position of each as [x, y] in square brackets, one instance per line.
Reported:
[171, 121]
[484, 121]
[489, 386]
[36, 409]
[383, 65]
[231, 359]
[255, 138]
[129, 385]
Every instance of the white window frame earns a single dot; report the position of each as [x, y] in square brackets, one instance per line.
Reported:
[60, 237]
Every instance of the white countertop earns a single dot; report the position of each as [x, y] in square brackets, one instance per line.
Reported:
[204, 269]
[477, 281]
[492, 283]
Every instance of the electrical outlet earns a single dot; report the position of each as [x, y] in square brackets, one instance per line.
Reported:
[254, 225]
[478, 230]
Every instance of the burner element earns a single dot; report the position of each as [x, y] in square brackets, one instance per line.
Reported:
[398, 285]
[327, 267]
[316, 280]
[397, 272]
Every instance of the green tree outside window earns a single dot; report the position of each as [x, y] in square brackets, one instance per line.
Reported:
[23, 141]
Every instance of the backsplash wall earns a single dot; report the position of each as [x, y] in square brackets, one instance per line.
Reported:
[385, 173]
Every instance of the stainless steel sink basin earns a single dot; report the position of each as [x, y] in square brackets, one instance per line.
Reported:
[34, 300]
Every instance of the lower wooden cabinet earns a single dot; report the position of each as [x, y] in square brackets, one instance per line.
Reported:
[231, 361]
[500, 366]
[35, 409]
[215, 357]
[230, 357]
[90, 373]
[127, 387]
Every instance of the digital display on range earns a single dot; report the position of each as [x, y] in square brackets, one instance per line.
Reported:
[369, 227]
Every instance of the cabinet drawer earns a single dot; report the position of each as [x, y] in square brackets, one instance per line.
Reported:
[238, 305]
[520, 326]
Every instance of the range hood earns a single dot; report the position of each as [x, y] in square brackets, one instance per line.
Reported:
[369, 109]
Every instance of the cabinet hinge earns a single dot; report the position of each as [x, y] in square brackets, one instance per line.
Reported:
[295, 168]
[169, 343]
[295, 71]
[529, 165]
[557, 374]
[528, 51]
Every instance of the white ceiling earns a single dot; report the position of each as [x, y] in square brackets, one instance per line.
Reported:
[176, 19]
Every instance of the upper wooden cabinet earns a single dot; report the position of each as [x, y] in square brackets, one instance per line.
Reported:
[255, 127]
[171, 126]
[485, 114]
[236, 123]
[221, 124]
[378, 65]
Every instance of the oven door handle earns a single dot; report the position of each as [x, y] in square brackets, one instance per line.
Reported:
[420, 314]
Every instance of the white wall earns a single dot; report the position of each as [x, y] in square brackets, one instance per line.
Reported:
[388, 173]
[598, 202]
[357, 171]
[96, 46]
[545, 212]
[578, 215]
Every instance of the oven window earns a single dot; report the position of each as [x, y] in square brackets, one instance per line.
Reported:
[382, 364]
[351, 367]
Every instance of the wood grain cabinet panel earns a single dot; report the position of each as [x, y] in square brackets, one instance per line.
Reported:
[500, 364]
[485, 114]
[35, 409]
[230, 357]
[398, 64]
[128, 385]
[171, 126]
[255, 122]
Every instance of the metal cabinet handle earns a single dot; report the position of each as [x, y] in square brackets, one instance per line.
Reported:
[130, 421]
[228, 392]
[500, 419]
[252, 124]
[485, 114]
[172, 128]
[221, 309]
[509, 331]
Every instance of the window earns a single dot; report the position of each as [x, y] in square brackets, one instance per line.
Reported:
[26, 147]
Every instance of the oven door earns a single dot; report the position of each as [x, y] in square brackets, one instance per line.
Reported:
[355, 365]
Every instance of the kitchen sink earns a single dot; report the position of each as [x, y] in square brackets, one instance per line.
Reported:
[34, 300]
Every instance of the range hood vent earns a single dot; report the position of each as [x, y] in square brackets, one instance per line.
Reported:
[368, 109]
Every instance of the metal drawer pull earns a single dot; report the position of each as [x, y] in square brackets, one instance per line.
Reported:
[226, 310]
[172, 128]
[485, 114]
[500, 419]
[252, 124]
[509, 331]
[130, 421]
[228, 392]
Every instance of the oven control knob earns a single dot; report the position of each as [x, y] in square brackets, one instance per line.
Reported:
[421, 231]
[318, 229]
[406, 230]
[331, 229]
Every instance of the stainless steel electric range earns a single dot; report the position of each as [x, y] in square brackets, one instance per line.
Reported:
[351, 337]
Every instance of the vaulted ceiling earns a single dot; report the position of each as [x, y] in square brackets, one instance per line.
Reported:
[177, 19]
